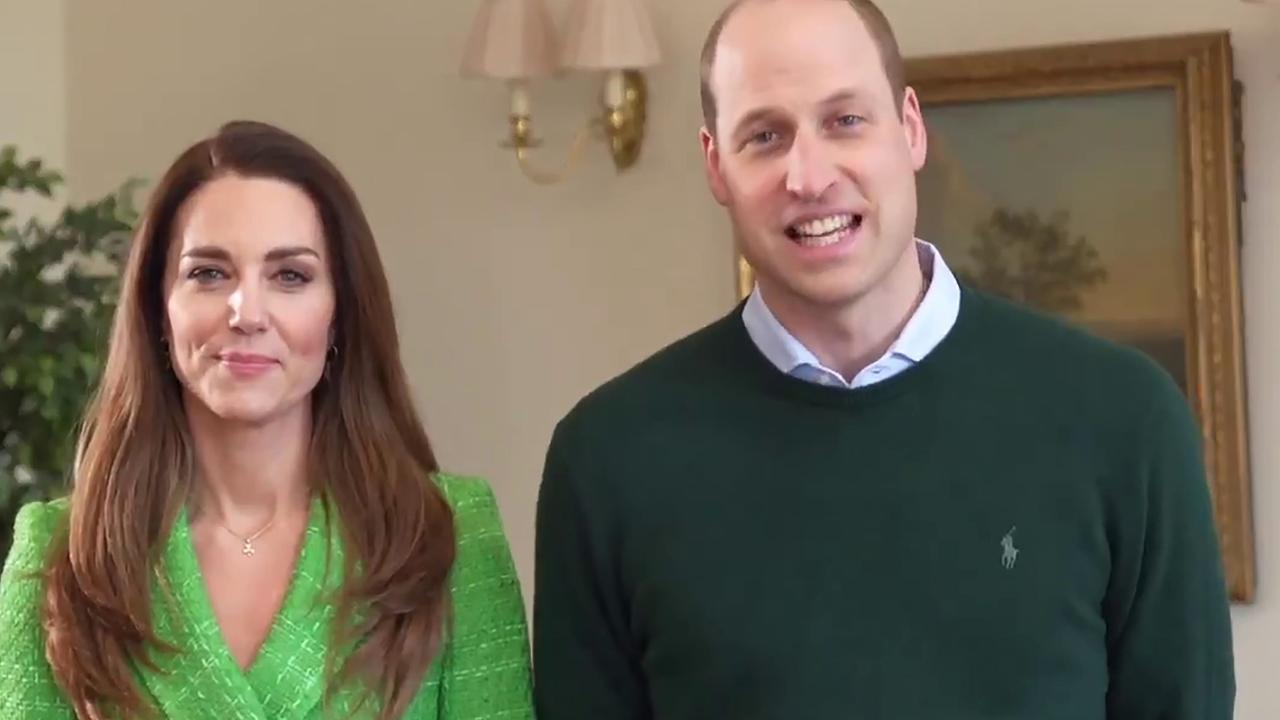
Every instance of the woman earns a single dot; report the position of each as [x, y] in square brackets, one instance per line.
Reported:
[257, 526]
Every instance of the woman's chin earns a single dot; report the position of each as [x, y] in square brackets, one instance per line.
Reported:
[243, 408]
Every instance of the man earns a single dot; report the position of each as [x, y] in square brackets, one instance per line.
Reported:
[868, 492]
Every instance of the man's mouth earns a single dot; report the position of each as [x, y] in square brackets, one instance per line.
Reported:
[823, 231]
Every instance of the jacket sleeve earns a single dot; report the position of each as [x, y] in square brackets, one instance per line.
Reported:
[1168, 623]
[486, 663]
[27, 687]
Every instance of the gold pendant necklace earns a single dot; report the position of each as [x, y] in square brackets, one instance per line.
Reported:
[247, 548]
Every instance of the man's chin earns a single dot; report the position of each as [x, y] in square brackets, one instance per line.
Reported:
[836, 298]
[833, 292]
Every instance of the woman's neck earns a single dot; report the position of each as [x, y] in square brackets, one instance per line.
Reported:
[248, 474]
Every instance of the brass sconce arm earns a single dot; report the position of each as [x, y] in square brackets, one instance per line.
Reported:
[621, 124]
[523, 142]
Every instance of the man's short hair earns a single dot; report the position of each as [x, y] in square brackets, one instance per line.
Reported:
[875, 20]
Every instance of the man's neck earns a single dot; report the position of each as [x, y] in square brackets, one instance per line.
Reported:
[848, 337]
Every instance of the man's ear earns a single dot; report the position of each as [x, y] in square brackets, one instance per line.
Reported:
[913, 126]
[711, 162]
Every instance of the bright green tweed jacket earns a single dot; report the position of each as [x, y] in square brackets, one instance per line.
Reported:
[482, 672]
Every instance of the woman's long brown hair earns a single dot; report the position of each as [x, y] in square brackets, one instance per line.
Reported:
[370, 460]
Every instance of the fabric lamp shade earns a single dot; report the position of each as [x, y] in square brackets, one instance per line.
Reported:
[609, 35]
[510, 40]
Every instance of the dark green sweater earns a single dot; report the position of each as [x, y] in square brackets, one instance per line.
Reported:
[1017, 527]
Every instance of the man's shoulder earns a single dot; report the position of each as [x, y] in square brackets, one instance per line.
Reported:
[1068, 356]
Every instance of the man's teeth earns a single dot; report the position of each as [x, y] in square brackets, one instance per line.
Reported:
[824, 231]
[820, 241]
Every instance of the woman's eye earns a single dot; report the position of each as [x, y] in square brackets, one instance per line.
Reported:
[206, 275]
[293, 277]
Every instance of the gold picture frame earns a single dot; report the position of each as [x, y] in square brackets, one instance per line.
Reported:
[1196, 72]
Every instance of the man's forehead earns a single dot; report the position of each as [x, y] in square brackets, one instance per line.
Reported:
[764, 39]
[793, 55]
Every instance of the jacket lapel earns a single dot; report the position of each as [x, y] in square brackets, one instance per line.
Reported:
[201, 680]
[289, 674]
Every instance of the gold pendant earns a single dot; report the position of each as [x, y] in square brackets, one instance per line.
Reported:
[247, 550]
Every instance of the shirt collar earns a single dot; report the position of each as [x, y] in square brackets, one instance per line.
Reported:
[925, 329]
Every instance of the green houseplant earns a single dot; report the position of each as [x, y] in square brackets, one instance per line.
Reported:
[58, 287]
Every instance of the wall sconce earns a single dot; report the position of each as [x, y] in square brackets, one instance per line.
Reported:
[514, 41]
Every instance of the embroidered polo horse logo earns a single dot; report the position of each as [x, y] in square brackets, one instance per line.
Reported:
[1010, 556]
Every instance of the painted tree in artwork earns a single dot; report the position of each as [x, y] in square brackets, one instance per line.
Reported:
[1035, 262]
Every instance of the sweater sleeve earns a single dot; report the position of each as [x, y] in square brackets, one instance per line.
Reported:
[1168, 624]
[27, 687]
[586, 662]
[487, 673]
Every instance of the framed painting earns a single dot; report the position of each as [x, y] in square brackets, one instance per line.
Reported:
[1102, 183]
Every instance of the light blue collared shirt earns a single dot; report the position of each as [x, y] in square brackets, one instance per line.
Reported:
[930, 323]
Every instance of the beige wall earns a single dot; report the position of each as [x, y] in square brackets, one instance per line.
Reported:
[514, 299]
[33, 83]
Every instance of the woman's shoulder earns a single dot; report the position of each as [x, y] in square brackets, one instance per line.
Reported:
[467, 488]
[482, 543]
[27, 688]
[33, 530]
[22, 581]
[470, 497]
